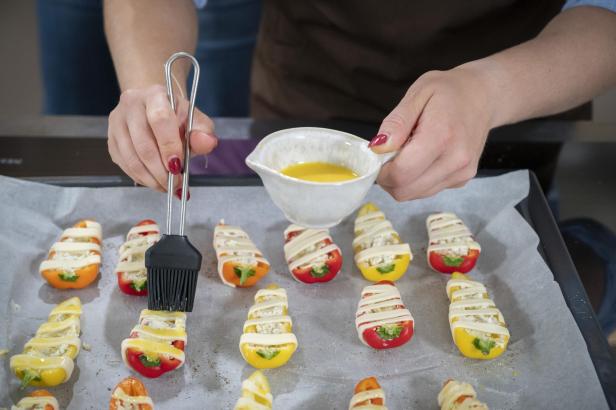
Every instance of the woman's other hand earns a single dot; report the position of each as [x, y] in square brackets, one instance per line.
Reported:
[440, 128]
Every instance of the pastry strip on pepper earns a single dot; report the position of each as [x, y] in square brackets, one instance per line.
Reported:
[74, 261]
[452, 247]
[131, 270]
[256, 393]
[47, 358]
[382, 320]
[368, 396]
[457, 395]
[477, 326]
[37, 400]
[130, 394]
[156, 345]
[267, 340]
[240, 263]
[379, 253]
[53, 346]
[311, 254]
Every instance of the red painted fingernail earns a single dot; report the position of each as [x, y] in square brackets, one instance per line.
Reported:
[175, 165]
[378, 140]
[178, 193]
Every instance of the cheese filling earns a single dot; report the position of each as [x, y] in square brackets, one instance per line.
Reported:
[75, 250]
[268, 325]
[308, 248]
[448, 235]
[132, 252]
[376, 243]
[233, 245]
[52, 346]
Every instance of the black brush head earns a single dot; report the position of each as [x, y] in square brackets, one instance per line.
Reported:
[173, 265]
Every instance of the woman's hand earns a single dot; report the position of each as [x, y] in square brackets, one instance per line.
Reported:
[145, 136]
[440, 128]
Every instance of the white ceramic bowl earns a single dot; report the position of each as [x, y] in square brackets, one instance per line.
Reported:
[315, 204]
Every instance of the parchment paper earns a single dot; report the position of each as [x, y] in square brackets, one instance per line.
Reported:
[547, 365]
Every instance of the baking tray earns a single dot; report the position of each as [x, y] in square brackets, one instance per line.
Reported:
[534, 209]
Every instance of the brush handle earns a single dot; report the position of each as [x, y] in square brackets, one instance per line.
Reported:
[186, 162]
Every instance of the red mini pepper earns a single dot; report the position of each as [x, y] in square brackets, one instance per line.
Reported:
[450, 264]
[324, 272]
[129, 286]
[377, 299]
[148, 366]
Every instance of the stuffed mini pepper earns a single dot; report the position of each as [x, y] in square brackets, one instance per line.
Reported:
[267, 340]
[477, 326]
[74, 261]
[37, 400]
[131, 270]
[156, 345]
[130, 394]
[457, 395]
[368, 395]
[379, 253]
[256, 394]
[240, 263]
[382, 320]
[47, 358]
[452, 247]
[311, 254]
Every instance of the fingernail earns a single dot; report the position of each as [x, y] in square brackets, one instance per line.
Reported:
[175, 165]
[378, 140]
[178, 194]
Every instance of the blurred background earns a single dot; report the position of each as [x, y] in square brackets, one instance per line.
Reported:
[21, 75]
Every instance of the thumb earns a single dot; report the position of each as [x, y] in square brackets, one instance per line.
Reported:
[396, 128]
[203, 140]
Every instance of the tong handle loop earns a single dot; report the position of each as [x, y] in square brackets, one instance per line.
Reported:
[189, 123]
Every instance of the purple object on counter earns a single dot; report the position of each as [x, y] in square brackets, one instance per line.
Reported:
[226, 160]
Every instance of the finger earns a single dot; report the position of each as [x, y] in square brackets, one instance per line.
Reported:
[413, 160]
[130, 162]
[456, 180]
[203, 140]
[112, 146]
[115, 156]
[397, 127]
[166, 129]
[145, 145]
[448, 171]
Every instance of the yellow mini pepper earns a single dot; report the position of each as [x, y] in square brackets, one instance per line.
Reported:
[267, 341]
[477, 326]
[379, 253]
[47, 358]
[41, 371]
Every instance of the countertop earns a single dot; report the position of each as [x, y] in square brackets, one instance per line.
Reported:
[575, 161]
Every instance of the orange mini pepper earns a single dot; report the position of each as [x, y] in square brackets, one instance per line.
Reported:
[74, 261]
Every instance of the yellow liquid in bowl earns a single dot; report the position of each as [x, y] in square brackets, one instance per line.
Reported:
[319, 172]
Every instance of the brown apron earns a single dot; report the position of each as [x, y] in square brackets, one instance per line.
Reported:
[355, 59]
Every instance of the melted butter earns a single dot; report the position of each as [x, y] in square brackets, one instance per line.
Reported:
[319, 172]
